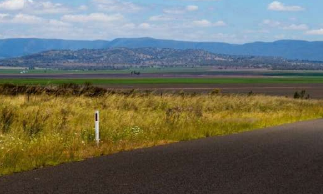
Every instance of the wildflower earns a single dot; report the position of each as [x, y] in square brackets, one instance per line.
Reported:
[136, 130]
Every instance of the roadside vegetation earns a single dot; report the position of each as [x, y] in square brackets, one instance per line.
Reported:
[41, 129]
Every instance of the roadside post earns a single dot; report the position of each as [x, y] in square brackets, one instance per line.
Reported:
[97, 128]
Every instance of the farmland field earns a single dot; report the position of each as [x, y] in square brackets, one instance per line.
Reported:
[193, 71]
[102, 81]
[192, 80]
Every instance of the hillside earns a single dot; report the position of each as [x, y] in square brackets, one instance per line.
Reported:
[116, 57]
[120, 58]
[289, 49]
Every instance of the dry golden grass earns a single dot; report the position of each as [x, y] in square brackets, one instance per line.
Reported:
[49, 130]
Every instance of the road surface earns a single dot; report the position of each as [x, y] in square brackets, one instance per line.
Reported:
[287, 159]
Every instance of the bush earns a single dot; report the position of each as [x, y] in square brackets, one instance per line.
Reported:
[301, 95]
[215, 91]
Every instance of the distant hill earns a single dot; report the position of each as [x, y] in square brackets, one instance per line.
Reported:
[115, 57]
[289, 49]
[121, 58]
[20, 47]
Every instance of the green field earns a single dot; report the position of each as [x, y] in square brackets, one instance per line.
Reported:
[166, 81]
[176, 71]
[121, 71]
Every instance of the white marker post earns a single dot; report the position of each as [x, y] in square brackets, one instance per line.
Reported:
[97, 128]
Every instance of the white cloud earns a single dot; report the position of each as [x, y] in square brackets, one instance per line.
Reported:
[261, 31]
[202, 23]
[34, 7]
[296, 27]
[315, 32]
[278, 6]
[271, 23]
[14, 5]
[219, 23]
[27, 19]
[58, 23]
[174, 11]
[144, 26]
[207, 23]
[20, 19]
[192, 8]
[116, 6]
[160, 18]
[93, 17]
[48, 7]
[83, 8]
[129, 26]
[181, 10]
[30, 20]
[3, 16]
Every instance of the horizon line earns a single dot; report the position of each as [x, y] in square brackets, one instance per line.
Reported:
[92, 40]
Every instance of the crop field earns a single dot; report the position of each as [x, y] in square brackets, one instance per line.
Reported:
[42, 130]
[121, 71]
[211, 71]
[297, 80]
[267, 85]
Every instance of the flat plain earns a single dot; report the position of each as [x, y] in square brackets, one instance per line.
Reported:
[191, 80]
[58, 127]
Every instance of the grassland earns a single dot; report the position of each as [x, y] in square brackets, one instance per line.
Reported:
[101, 81]
[44, 130]
[120, 71]
[173, 70]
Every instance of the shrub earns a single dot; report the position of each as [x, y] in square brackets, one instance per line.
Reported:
[215, 91]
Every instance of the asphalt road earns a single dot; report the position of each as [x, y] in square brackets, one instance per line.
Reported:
[286, 159]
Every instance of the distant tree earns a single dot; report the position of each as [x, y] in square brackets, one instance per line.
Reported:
[135, 73]
[215, 91]
[302, 94]
[296, 95]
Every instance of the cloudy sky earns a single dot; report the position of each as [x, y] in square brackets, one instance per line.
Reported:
[234, 21]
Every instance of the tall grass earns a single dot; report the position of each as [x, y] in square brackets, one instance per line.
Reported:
[41, 130]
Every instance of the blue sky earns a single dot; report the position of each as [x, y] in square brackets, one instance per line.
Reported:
[233, 21]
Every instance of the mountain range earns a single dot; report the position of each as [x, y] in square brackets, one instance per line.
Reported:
[289, 49]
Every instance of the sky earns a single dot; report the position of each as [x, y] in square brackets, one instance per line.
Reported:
[232, 21]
